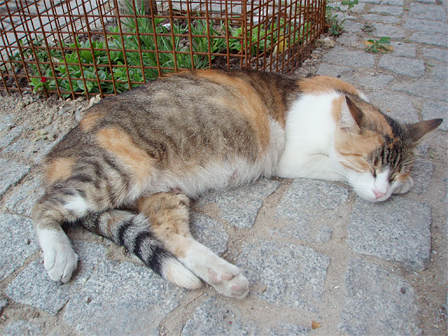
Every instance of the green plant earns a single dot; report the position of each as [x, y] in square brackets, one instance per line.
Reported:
[137, 55]
[81, 73]
[336, 26]
[381, 45]
[170, 52]
[262, 38]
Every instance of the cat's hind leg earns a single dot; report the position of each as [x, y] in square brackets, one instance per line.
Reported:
[169, 217]
[69, 202]
[133, 231]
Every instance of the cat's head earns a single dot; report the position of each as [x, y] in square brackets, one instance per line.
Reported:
[374, 152]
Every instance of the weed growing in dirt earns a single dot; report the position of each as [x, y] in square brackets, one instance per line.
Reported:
[380, 45]
[334, 24]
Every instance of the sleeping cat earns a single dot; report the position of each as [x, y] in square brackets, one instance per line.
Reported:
[153, 148]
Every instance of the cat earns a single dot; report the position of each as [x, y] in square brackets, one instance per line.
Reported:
[154, 148]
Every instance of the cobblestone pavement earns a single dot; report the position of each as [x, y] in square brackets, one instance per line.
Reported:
[320, 260]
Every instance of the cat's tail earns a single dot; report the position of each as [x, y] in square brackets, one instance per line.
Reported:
[133, 232]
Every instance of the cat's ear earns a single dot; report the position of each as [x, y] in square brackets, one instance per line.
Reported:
[351, 115]
[420, 130]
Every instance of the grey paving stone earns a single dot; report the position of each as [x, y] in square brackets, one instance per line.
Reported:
[216, 317]
[404, 49]
[352, 27]
[375, 82]
[13, 134]
[424, 88]
[434, 110]
[292, 276]
[31, 150]
[6, 121]
[323, 234]
[309, 207]
[422, 149]
[121, 299]
[33, 286]
[439, 71]
[393, 2]
[17, 243]
[438, 54]
[288, 329]
[355, 9]
[24, 197]
[370, 1]
[22, 327]
[388, 30]
[378, 302]
[334, 71]
[427, 12]
[397, 106]
[343, 57]
[11, 172]
[426, 26]
[396, 230]
[359, 8]
[209, 232]
[422, 174]
[433, 39]
[403, 65]
[381, 18]
[239, 206]
[350, 40]
[392, 10]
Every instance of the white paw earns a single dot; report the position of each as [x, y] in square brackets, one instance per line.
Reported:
[228, 281]
[404, 186]
[226, 278]
[60, 263]
[60, 260]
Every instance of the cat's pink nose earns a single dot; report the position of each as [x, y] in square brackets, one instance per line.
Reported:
[378, 194]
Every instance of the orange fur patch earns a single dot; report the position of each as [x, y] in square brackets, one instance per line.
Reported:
[249, 103]
[58, 169]
[403, 177]
[355, 148]
[352, 146]
[168, 214]
[324, 84]
[121, 145]
[336, 108]
[90, 120]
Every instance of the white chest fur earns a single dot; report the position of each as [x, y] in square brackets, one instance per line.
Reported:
[310, 130]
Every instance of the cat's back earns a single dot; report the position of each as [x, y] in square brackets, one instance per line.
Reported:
[203, 94]
[188, 122]
[211, 110]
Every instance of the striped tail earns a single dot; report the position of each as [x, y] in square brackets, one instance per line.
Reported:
[133, 232]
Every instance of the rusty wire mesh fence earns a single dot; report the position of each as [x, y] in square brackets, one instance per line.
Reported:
[89, 47]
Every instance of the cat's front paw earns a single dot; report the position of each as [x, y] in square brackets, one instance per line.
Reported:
[404, 186]
[229, 281]
[60, 263]
[60, 260]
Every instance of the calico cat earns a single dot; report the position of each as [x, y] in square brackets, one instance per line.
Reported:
[155, 147]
